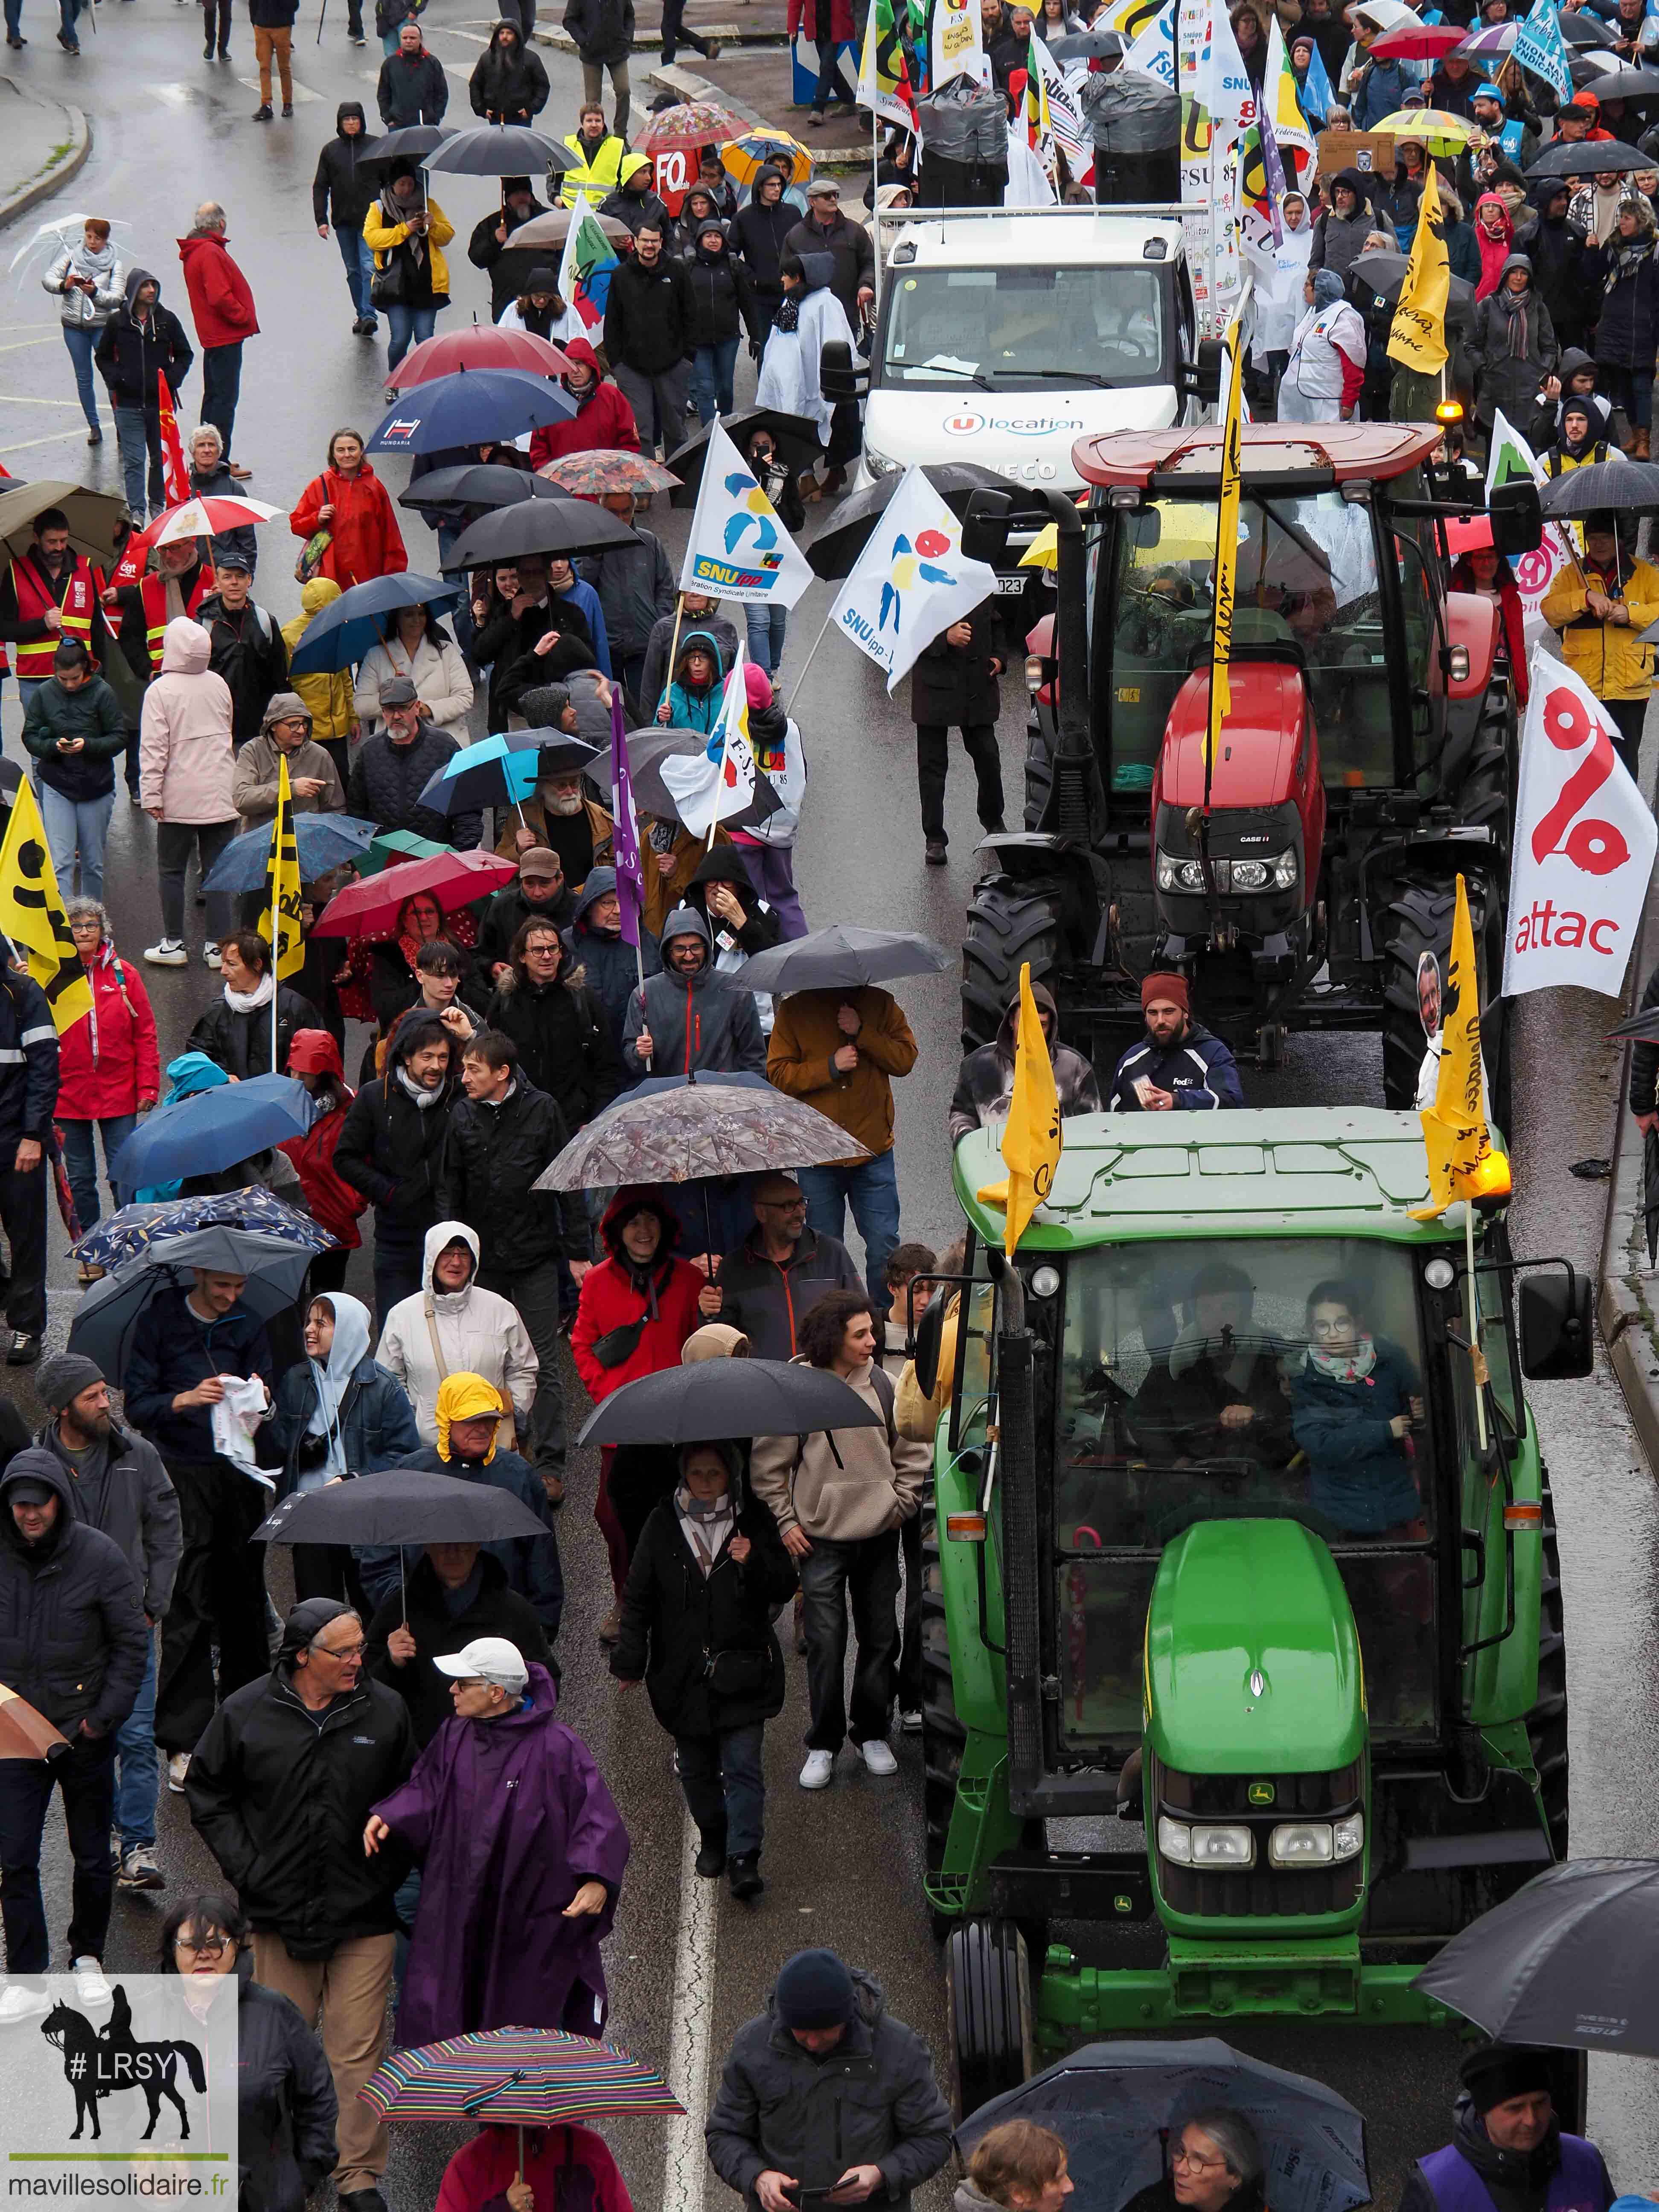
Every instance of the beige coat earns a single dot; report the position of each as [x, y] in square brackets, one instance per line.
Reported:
[878, 1484]
[254, 783]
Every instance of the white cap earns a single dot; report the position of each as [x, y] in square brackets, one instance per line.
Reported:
[488, 1659]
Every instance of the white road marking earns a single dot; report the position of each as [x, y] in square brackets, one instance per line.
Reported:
[686, 2164]
[62, 438]
[17, 344]
[16, 399]
[301, 91]
[450, 31]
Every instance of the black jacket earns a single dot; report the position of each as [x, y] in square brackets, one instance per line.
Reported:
[248, 652]
[1198, 1070]
[767, 1302]
[504, 917]
[849, 245]
[758, 233]
[280, 1796]
[410, 92]
[760, 928]
[1517, 2181]
[272, 14]
[344, 186]
[390, 1149]
[28, 1063]
[286, 2108]
[121, 1488]
[173, 1350]
[387, 781]
[511, 88]
[874, 2100]
[1559, 255]
[636, 210]
[1644, 1057]
[507, 643]
[240, 1043]
[130, 355]
[509, 265]
[603, 30]
[648, 316]
[531, 1564]
[610, 973]
[952, 685]
[677, 1615]
[636, 585]
[1623, 299]
[72, 1636]
[559, 1030]
[93, 715]
[489, 1608]
[493, 1156]
[723, 299]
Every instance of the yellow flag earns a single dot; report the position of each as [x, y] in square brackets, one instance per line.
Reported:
[282, 882]
[1418, 337]
[1462, 1162]
[1226, 544]
[32, 913]
[1031, 1137]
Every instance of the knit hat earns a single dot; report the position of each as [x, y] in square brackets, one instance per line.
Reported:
[1498, 2071]
[814, 1990]
[1171, 989]
[1577, 405]
[65, 1376]
[541, 279]
[304, 1623]
[757, 684]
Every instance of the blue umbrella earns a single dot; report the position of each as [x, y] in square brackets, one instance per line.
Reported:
[466, 409]
[103, 1326]
[353, 624]
[110, 1243]
[213, 1130]
[495, 772]
[323, 841]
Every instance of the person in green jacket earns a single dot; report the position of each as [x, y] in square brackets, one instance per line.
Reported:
[74, 730]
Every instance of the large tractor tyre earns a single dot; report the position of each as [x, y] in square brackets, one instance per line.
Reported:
[1420, 920]
[942, 1734]
[1547, 1723]
[988, 1993]
[1485, 797]
[1039, 769]
[1009, 924]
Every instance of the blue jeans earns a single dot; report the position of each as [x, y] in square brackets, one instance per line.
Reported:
[725, 1786]
[80, 1163]
[81, 339]
[831, 77]
[221, 381]
[711, 377]
[871, 1187]
[66, 12]
[76, 824]
[408, 327]
[360, 269]
[138, 1771]
[137, 433]
[766, 626]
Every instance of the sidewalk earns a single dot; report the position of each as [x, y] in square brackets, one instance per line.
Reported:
[733, 23]
[42, 144]
[1627, 1304]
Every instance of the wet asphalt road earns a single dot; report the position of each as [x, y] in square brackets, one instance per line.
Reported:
[844, 1870]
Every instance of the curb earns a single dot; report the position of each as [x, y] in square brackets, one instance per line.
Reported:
[729, 35]
[48, 181]
[1624, 1298]
[687, 85]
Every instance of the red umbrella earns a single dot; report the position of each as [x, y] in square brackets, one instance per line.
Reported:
[200, 518]
[371, 908]
[1421, 42]
[693, 123]
[482, 346]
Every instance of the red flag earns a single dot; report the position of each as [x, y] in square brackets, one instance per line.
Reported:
[135, 555]
[175, 475]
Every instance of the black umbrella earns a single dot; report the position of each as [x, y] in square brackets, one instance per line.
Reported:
[1089, 47]
[498, 149]
[718, 1397]
[796, 439]
[104, 1322]
[476, 483]
[834, 551]
[841, 958]
[402, 1505]
[1600, 486]
[1581, 28]
[1113, 2104]
[1386, 272]
[1591, 157]
[646, 751]
[1591, 72]
[413, 142]
[536, 525]
[1645, 1023]
[1569, 1960]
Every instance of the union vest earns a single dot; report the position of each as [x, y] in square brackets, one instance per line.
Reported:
[35, 597]
[1575, 2186]
[153, 596]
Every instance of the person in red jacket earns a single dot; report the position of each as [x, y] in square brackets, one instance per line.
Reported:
[533, 2171]
[109, 1071]
[604, 421]
[315, 1057]
[221, 306]
[1484, 571]
[635, 1310]
[350, 502]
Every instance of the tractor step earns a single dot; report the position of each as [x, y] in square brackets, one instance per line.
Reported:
[1202, 1981]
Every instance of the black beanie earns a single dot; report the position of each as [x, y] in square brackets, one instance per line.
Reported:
[1498, 2071]
[304, 1624]
[815, 1990]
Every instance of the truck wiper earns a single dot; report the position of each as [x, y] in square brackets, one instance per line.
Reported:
[955, 375]
[1059, 375]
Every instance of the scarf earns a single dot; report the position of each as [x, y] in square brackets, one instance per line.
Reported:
[1515, 306]
[249, 1002]
[788, 315]
[397, 212]
[1625, 256]
[1345, 1367]
[423, 1098]
[707, 1524]
[352, 1337]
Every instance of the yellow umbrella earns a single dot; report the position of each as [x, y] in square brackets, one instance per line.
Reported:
[1182, 536]
[1043, 552]
[1436, 127]
[743, 158]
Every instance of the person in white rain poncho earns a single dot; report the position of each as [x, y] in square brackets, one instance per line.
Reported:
[810, 318]
[451, 1327]
[1281, 284]
[1327, 367]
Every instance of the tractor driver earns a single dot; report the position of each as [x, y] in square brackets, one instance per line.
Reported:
[1221, 1393]
[1355, 1401]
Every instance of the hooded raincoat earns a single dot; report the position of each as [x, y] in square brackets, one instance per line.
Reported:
[184, 752]
[364, 541]
[609, 972]
[327, 695]
[985, 1081]
[473, 1332]
[632, 1321]
[696, 1022]
[603, 423]
[343, 1416]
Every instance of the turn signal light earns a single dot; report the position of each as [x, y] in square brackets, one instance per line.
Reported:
[1523, 1515]
[1489, 1182]
[965, 1528]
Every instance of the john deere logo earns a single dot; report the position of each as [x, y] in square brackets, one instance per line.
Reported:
[1260, 1793]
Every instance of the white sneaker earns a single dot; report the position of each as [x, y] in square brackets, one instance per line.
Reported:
[18, 2001]
[818, 1770]
[90, 1987]
[911, 1723]
[167, 953]
[177, 1767]
[210, 952]
[877, 1759]
[139, 1869]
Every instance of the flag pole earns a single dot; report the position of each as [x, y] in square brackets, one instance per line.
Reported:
[673, 649]
[795, 690]
[1474, 1323]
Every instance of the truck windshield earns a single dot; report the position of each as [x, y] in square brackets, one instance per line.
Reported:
[1012, 329]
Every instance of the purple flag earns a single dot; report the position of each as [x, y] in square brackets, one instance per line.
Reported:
[625, 835]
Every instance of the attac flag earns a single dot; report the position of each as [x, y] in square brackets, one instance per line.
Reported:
[1226, 547]
[625, 830]
[911, 582]
[585, 268]
[718, 782]
[737, 549]
[1031, 1136]
[279, 925]
[1454, 1132]
[1418, 337]
[32, 913]
[1583, 845]
[175, 475]
[884, 85]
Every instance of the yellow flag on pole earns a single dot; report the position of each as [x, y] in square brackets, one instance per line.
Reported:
[32, 913]
[1226, 545]
[279, 925]
[1417, 338]
[1030, 1137]
[1461, 1161]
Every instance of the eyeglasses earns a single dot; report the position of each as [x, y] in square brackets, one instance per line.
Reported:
[782, 1205]
[1194, 2164]
[340, 1651]
[214, 1947]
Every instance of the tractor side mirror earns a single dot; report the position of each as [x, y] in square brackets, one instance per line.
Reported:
[1517, 520]
[1557, 1339]
[836, 374]
[1201, 379]
[928, 1331]
[985, 527]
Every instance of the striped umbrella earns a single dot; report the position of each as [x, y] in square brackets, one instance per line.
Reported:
[537, 2078]
[1493, 43]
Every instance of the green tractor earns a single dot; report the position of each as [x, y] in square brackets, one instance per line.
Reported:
[1231, 1561]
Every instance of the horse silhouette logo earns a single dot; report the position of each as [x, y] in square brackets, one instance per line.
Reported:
[105, 2063]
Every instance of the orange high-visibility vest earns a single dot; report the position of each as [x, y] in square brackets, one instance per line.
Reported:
[35, 598]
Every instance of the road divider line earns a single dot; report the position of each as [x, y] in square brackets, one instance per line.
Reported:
[686, 2164]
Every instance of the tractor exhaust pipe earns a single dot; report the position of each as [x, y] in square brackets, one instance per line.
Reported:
[1016, 1419]
[1074, 803]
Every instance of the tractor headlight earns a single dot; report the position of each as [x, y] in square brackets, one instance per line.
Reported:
[880, 463]
[1300, 1843]
[1222, 1847]
[1348, 1835]
[1279, 874]
[1175, 1840]
[1174, 874]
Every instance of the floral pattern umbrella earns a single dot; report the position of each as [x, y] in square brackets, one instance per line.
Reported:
[683, 1130]
[693, 123]
[591, 475]
[123, 1236]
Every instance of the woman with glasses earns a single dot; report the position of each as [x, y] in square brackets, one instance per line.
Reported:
[109, 1070]
[286, 2106]
[1215, 2166]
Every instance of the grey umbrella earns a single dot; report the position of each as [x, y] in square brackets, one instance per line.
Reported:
[841, 958]
[1386, 272]
[94, 517]
[1113, 2103]
[679, 1131]
[717, 1398]
[275, 1270]
[1130, 113]
[1601, 487]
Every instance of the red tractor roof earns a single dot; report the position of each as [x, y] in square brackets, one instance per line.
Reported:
[1343, 452]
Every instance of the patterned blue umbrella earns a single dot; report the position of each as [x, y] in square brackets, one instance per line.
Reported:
[123, 1236]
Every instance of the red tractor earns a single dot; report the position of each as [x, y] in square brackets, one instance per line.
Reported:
[1367, 760]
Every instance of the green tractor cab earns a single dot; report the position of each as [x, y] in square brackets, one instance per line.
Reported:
[1221, 1566]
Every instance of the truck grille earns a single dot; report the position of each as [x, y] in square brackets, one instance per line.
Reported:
[1262, 1892]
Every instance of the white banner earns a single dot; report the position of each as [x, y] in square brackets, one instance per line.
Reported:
[1536, 573]
[1584, 843]
[737, 549]
[718, 782]
[957, 47]
[911, 582]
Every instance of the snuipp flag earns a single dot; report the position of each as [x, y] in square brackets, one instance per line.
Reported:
[911, 582]
[737, 549]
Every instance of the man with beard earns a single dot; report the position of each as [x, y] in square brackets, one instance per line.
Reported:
[1177, 1064]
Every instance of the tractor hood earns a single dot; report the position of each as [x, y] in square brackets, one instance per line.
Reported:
[1252, 1657]
[1265, 730]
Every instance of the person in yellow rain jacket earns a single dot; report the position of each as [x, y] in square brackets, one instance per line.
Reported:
[1601, 613]
[328, 696]
[406, 233]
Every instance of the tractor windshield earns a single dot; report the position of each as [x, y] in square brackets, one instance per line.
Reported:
[1278, 1379]
[1307, 574]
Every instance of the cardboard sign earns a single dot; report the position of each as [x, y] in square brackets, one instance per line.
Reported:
[1370, 152]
